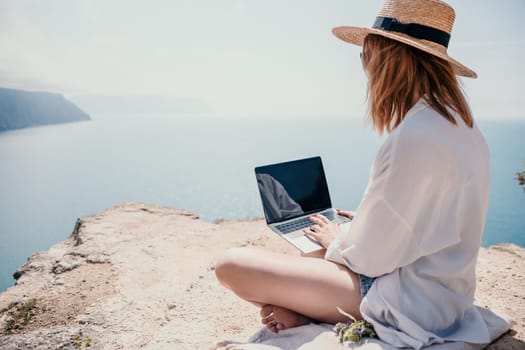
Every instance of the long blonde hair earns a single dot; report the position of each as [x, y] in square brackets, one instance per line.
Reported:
[399, 74]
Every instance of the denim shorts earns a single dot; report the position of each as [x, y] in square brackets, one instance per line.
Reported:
[365, 283]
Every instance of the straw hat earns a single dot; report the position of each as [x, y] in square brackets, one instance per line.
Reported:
[423, 24]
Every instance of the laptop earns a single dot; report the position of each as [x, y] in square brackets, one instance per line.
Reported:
[290, 192]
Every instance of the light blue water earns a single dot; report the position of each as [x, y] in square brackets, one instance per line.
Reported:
[51, 175]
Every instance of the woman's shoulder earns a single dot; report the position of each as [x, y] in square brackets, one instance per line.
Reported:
[425, 138]
[424, 127]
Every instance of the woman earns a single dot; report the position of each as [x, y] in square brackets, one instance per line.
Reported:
[406, 263]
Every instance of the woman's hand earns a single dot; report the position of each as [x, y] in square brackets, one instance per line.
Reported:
[322, 230]
[348, 214]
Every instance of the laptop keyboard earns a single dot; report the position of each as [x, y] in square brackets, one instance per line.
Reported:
[304, 222]
[294, 225]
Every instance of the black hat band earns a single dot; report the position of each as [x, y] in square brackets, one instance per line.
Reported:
[414, 30]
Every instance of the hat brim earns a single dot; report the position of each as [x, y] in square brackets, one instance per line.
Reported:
[356, 36]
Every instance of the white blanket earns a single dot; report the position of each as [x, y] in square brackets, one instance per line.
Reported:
[321, 336]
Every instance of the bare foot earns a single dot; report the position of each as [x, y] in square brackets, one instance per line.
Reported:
[277, 318]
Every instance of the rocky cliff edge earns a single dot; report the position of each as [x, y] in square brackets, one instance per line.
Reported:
[141, 276]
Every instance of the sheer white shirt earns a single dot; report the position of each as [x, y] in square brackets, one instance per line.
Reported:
[418, 230]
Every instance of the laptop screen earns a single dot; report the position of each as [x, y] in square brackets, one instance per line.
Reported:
[292, 189]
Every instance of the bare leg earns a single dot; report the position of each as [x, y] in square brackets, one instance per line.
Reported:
[277, 318]
[307, 287]
[319, 254]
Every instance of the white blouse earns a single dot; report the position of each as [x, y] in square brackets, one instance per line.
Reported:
[418, 230]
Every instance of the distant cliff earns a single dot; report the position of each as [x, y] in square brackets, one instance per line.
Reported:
[21, 109]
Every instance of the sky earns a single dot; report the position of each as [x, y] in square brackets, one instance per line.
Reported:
[242, 57]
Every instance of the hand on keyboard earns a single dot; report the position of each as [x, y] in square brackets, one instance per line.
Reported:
[322, 229]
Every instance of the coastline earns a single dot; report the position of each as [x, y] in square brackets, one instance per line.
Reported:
[43, 125]
[141, 276]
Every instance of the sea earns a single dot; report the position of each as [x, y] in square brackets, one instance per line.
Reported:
[51, 175]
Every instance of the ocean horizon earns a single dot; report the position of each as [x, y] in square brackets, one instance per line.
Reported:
[52, 175]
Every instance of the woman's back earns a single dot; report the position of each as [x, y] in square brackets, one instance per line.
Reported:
[436, 176]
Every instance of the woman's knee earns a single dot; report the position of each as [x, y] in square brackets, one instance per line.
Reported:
[230, 264]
